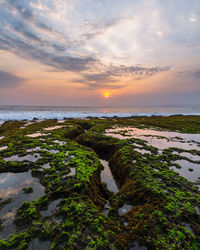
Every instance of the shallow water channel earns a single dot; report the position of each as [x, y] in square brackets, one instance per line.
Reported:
[107, 177]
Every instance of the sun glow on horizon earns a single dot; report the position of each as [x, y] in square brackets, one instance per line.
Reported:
[106, 94]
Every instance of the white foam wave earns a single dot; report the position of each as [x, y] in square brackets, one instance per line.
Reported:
[60, 115]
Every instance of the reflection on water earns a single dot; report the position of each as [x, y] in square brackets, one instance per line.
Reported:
[61, 143]
[46, 166]
[29, 157]
[38, 134]
[162, 140]
[53, 128]
[51, 208]
[3, 148]
[54, 151]
[185, 170]
[107, 177]
[106, 208]
[190, 156]
[142, 151]
[124, 209]
[11, 186]
[158, 133]
[197, 210]
[28, 124]
[32, 122]
[72, 172]
[37, 244]
[158, 139]
[33, 149]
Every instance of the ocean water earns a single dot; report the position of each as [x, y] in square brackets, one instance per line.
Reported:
[61, 112]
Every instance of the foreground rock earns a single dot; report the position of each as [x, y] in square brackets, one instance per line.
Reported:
[155, 207]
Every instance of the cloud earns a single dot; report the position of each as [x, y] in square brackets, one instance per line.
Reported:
[98, 28]
[188, 73]
[9, 80]
[24, 12]
[99, 81]
[28, 15]
[192, 18]
[59, 47]
[70, 63]
[19, 27]
[111, 77]
[27, 38]
[135, 71]
[25, 50]
[196, 74]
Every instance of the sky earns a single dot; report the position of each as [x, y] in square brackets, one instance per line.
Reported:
[72, 52]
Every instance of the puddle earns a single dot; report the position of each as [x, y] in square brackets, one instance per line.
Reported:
[66, 153]
[11, 187]
[32, 122]
[106, 208]
[72, 172]
[142, 151]
[123, 210]
[51, 208]
[61, 121]
[61, 143]
[3, 148]
[38, 134]
[1, 123]
[126, 223]
[158, 139]
[53, 151]
[33, 149]
[29, 157]
[39, 244]
[28, 124]
[46, 166]
[52, 128]
[165, 143]
[190, 156]
[107, 177]
[157, 133]
[184, 170]
[197, 210]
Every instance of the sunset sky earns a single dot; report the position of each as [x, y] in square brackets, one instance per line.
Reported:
[72, 52]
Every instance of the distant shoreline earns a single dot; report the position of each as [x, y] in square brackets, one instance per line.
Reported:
[103, 116]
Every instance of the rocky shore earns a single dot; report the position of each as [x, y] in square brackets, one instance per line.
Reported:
[114, 183]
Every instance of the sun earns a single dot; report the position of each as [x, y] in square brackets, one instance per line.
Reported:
[106, 94]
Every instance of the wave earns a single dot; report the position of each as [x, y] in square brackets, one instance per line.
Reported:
[60, 115]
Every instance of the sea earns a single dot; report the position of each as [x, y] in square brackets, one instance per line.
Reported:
[8, 112]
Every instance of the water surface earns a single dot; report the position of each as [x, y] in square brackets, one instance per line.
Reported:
[11, 187]
[107, 177]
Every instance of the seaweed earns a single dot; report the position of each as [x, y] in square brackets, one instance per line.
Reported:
[164, 207]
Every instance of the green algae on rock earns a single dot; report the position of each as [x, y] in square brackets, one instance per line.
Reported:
[154, 206]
